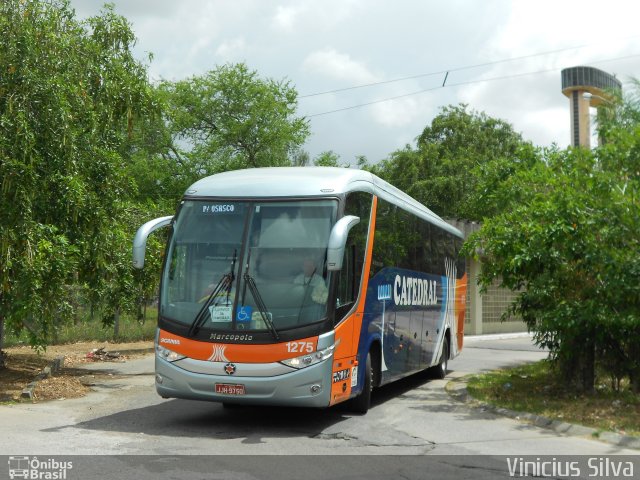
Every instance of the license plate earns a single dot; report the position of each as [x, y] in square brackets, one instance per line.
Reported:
[229, 389]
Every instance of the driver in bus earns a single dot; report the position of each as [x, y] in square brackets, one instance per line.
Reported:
[312, 282]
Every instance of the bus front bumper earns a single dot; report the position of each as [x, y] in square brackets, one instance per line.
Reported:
[307, 387]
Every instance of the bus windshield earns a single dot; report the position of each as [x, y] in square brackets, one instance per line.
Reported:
[248, 266]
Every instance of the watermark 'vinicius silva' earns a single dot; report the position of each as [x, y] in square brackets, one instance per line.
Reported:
[596, 467]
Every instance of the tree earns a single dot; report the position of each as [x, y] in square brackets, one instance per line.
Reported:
[230, 118]
[567, 242]
[70, 95]
[328, 159]
[452, 156]
[300, 158]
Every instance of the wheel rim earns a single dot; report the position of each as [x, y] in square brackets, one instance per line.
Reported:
[445, 359]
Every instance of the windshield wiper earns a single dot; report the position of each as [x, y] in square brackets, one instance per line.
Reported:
[262, 308]
[224, 284]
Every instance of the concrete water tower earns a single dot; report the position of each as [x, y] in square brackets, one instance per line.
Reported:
[578, 81]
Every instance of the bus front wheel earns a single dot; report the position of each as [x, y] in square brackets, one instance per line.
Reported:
[362, 402]
[440, 370]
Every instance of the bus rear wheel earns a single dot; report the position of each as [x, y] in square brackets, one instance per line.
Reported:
[362, 402]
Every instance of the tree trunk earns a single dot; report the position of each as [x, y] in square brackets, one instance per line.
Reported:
[577, 362]
[634, 381]
[634, 368]
[144, 311]
[588, 367]
[2, 365]
[116, 323]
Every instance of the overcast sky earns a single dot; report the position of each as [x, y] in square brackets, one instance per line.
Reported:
[325, 45]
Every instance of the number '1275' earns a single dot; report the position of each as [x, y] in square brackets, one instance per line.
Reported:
[299, 347]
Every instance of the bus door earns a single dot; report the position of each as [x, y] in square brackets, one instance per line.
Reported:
[415, 340]
[402, 342]
[429, 336]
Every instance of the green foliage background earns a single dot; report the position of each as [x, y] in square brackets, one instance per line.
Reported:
[567, 239]
[70, 93]
[90, 150]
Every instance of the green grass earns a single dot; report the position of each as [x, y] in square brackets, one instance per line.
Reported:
[131, 330]
[537, 388]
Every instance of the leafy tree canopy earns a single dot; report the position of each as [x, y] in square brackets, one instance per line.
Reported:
[230, 118]
[567, 239]
[453, 156]
[328, 159]
[70, 95]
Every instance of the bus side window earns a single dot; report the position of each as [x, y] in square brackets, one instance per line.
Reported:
[346, 295]
[349, 278]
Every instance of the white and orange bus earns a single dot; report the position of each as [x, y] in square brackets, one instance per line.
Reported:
[303, 287]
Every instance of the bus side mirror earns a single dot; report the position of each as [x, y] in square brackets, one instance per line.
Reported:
[338, 240]
[140, 240]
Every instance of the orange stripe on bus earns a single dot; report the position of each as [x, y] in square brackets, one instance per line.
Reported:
[460, 306]
[357, 326]
[347, 333]
[349, 330]
[343, 372]
[238, 353]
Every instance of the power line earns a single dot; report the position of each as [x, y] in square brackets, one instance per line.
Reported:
[377, 101]
[449, 85]
[456, 69]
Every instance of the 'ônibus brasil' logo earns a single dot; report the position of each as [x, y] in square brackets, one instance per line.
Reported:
[31, 467]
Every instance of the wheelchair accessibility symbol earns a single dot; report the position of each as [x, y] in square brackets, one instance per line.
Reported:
[243, 314]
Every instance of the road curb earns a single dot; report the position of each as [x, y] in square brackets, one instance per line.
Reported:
[53, 368]
[457, 388]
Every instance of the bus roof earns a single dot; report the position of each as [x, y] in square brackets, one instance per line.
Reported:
[282, 182]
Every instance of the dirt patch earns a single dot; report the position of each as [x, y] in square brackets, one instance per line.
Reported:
[59, 388]
[23, 365]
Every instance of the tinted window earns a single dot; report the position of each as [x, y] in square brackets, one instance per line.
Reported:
[406, 241]
[350, 277]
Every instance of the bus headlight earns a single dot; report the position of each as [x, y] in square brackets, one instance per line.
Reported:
[168, 355]
[310, 358]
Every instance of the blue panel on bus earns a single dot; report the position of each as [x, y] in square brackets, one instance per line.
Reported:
[445, 293]
[405, 310]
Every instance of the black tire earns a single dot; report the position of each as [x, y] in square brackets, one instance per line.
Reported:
[362, 402]
[440, 370]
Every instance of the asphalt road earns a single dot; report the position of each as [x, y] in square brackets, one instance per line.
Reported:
[415, 416]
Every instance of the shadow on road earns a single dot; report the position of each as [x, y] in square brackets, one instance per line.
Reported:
[188, 418]
[194, 419]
